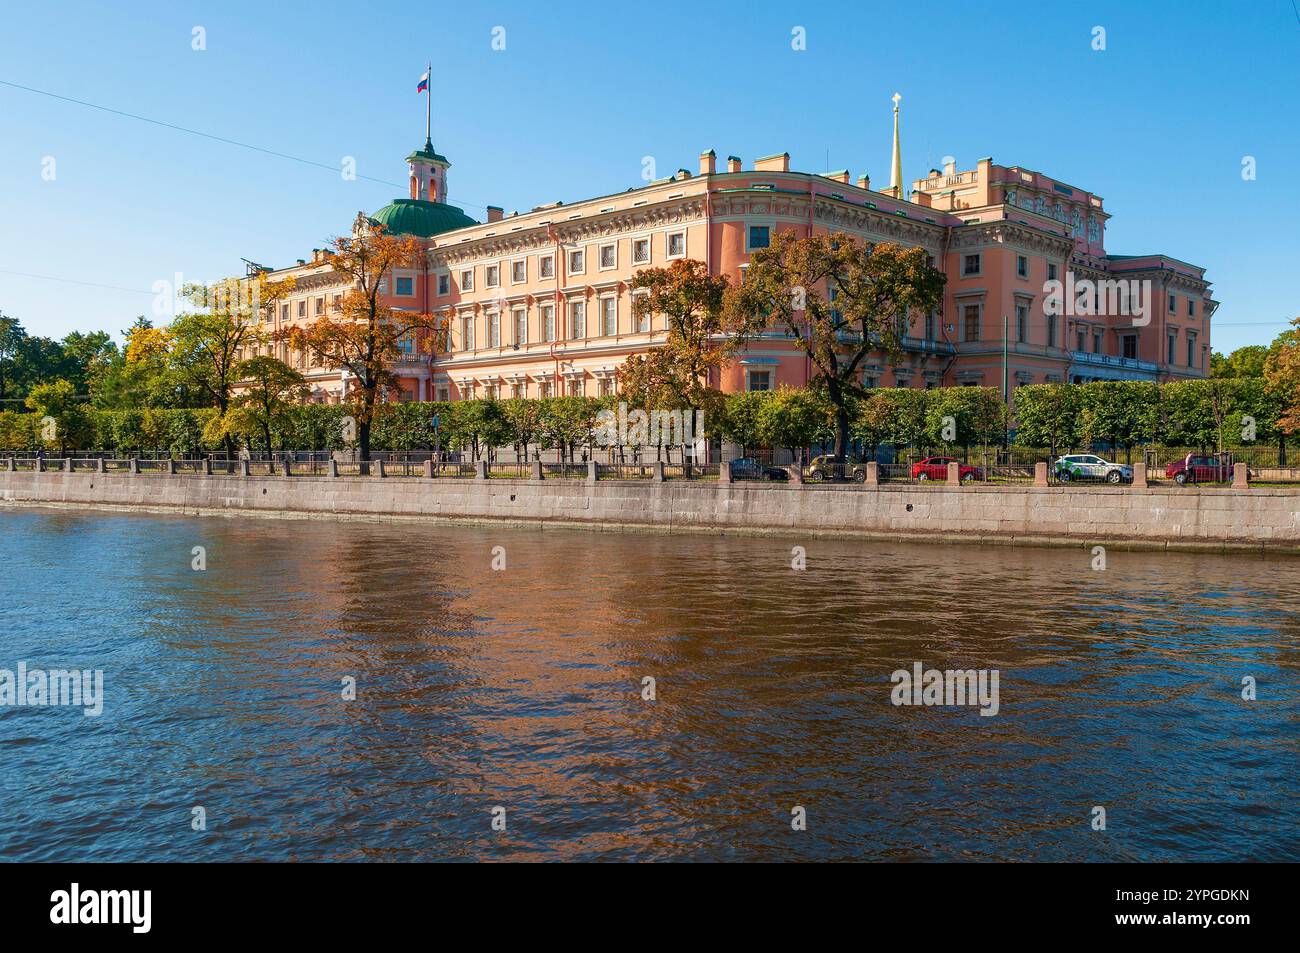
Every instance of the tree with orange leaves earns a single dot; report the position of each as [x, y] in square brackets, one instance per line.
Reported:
[365, 337]
[681, 373]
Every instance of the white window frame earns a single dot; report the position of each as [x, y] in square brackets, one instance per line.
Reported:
[548, 322]
[600, 256]
[494, 328]
[648, 250]
[409, 277]
[516, 314]
[514, 264]
[488, 271]
[604, 327]
[580, 304]
[444, 284]
[751, 225]
[542, 262]
[668, 244]
[644, 322]
[568, 261]
[467, 285]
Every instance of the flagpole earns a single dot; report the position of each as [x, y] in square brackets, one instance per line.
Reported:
[428, 100]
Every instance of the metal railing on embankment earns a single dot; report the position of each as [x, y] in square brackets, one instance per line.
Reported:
[986, 472]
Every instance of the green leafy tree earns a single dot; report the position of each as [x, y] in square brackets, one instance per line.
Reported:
[1120, 413]
[839, 300]
[875, 422]
[270, 390]
[58, 406]
[1048, 415]
[1245, 361]
[795, 418]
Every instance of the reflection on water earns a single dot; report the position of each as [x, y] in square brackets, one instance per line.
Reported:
[522, 688]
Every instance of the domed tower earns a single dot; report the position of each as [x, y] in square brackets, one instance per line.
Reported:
[428, 174]
[426, 213]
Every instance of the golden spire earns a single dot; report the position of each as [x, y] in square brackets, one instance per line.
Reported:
[896, 170]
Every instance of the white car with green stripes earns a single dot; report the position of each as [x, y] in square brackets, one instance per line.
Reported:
[1092, 468]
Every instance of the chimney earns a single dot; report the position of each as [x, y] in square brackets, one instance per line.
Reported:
[950, 168]
[708, 162]
[494, 213]
[777, 163]
[733, 163]
[864, 182]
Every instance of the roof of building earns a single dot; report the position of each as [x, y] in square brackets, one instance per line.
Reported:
[420, 218]
[428, 153]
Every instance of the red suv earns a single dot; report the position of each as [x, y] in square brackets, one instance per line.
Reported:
[1194, 469]
[936, 468]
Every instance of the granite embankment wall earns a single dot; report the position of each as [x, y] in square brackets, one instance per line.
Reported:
[1175, 517]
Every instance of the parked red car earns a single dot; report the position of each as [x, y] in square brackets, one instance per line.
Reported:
[936, 468]
[1197, 469]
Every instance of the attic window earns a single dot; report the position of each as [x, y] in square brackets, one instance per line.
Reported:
[763, 185]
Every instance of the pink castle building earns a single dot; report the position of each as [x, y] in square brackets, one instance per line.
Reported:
[540, 303]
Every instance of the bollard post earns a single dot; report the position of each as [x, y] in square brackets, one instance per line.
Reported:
[207, 466]
[537, 470]
[1240, 476]
[954, 474]
[99, 465]
[67, 464]
[724, 472]
[1040, 474]
[40, 465]
[428, 469]
[480, 470]
[288, 465]
[873, 473]
[796, 474]
[243, 466]
[657, 472]
[134, 467]
[1140, 476]
[593, 472]
[171, 465]
[334, 468]
[379, 468]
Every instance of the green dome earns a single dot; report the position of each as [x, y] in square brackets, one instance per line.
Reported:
[420, 218]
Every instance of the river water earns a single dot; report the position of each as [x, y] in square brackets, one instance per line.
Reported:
[516, 695]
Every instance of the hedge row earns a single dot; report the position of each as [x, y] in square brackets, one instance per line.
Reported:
[1201, 414]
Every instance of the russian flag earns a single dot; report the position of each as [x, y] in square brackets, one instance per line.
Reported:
[424, 83]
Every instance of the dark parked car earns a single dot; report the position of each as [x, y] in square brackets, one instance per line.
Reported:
[747, 468]
[936, 468]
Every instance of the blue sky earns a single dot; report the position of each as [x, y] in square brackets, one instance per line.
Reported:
[1157, 124]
